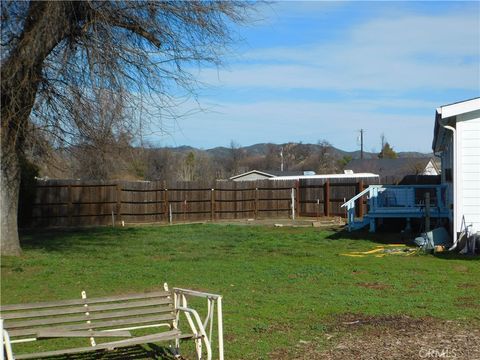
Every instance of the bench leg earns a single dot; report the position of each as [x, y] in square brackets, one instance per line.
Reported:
[2, 352]
[198, 346]
[5, 338]
[220, 328]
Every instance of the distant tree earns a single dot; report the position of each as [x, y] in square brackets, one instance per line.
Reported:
[383, 140]
[344, 161]
[162, 164]
[58, 53]
[295, 155]
[272, 158]
[187, 167]
[326, 162]
[103, 139]
[206, 170]
[237, 154]
[387, 152]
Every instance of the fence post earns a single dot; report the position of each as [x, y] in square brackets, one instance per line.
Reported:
[326, 198]
[360, 201]
[293, 204]
[256, 202]
[167, 214]
[297, 189]
[119, 202]
[156, 202]
[212, 205]
[70, 205]
[236, 200]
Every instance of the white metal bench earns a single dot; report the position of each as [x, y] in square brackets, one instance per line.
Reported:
[109, 323]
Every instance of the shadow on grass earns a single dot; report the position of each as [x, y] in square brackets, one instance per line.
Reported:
[63, 239]
[457, 256]
[378, 237]
[388, 238]
[129, 353]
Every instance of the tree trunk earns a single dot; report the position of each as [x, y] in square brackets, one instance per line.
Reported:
[46, 25]
[10, 183]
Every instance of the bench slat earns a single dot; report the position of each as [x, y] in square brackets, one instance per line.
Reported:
[50, 304]
[9, 324]
[82, 309]
[54, 333]
[165, 336]
[96, 325]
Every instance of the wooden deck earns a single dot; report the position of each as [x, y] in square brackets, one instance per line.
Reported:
[398, 201]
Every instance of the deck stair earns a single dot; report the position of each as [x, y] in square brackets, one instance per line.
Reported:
[397, 201]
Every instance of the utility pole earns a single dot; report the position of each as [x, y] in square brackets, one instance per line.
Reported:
[281, 156]
[361, 144]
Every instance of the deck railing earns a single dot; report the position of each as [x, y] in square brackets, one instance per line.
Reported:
[403, 201]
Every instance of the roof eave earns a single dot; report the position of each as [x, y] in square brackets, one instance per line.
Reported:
[447, 115]
[436, 130]
[251, 172]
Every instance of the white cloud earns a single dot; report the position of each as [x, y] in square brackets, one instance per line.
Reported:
[409, 52]
[386, 56]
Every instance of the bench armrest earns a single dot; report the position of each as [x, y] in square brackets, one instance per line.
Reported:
[180, 296]
[196, 293]
[201, 329]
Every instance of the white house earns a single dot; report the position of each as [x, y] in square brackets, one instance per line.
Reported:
[457, 141]
[296, 175]
[254, 175]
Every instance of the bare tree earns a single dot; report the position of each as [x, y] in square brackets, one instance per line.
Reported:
[161, 164]
[59, 53]
[103, 139]
[272, 158]
[237, 154]
[186, 171]
[296, 156]
[326, 161]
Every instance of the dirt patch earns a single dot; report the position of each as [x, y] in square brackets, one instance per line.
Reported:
[323, 222]
[375, 286]
[363, 337]
[460, 268]
[467, 286]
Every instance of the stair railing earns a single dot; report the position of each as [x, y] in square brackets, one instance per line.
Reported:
[372, 191]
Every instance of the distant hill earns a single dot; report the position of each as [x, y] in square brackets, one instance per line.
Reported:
[261, 149]
[177, 164]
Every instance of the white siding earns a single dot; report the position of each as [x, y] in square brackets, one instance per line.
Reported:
[468, 137]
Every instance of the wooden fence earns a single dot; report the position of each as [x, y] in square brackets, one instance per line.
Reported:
[81, 203]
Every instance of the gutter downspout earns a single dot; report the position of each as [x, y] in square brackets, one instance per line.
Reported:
[455, 184]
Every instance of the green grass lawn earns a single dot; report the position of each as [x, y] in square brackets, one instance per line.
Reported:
[280, 285]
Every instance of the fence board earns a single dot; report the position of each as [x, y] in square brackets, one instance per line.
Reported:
[79, 203]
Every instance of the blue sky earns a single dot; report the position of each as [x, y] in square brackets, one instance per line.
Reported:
[306, 71]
